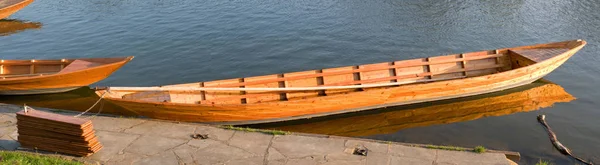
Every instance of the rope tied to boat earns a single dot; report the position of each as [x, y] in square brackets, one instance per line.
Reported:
[94, 105]
[26, 108]
[559, 146]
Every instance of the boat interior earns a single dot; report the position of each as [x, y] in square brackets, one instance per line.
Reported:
[11, 69]
[421, 70]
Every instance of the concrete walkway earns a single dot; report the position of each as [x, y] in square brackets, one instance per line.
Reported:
[143, 141]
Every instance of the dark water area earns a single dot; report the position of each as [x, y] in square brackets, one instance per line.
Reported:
[181, 41]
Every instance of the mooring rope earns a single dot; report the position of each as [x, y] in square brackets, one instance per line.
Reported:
[564, 150]
[101, 96]
[99, 110]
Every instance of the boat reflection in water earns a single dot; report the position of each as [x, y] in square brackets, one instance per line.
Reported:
[76, 100]
[8, 27]
[539, 94]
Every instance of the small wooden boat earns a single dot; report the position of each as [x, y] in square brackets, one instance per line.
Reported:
[527, 98]
[8, 7]
[307, 94]
[8, 27]
[20, 77]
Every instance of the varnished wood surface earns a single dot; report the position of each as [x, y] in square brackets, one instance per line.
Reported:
[36, 76]
[8, 7]
[488, 71]
[530, 97]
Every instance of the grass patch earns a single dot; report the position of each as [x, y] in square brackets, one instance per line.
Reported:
[479, 149]
[265, 131]
[451, 148]
[23, 158]
[543, 162]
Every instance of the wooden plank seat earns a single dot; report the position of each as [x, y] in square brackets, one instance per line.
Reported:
[538, 55]
[79, 65]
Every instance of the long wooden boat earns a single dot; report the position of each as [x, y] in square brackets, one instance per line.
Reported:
[20, 77]
[530, 97]
[8, 7]
[8, 27]
[307, 94]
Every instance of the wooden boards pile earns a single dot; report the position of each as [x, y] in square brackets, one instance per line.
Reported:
[56, 133]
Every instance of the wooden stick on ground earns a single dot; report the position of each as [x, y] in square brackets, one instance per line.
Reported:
[564, 150]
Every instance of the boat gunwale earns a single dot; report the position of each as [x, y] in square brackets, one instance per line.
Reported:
[579, 46]
[16, 4]
[123, 60]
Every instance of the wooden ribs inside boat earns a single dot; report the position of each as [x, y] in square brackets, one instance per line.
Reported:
[56, 133]
[29, 68]
[425, 69]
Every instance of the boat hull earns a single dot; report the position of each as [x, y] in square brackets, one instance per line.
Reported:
[37, 91]
[236, 114]
[530, 97]
[9, 10]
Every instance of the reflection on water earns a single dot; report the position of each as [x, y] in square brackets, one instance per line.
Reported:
[76, 100]
[8, 27]
[539, 94]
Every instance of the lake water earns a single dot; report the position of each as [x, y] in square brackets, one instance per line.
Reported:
[179, 41]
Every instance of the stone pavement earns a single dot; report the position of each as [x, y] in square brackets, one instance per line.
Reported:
[144, 141]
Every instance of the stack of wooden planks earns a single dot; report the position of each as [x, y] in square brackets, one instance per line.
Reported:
[56, 133]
